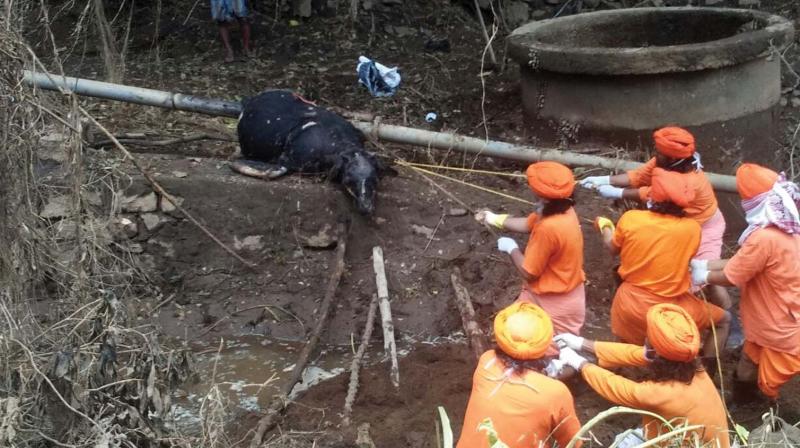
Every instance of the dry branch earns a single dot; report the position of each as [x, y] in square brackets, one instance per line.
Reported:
[279, 403]
[475, 336]
[389, 344]
[141, 139]
[352, 389]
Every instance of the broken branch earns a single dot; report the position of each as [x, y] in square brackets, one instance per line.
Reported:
[352, 389]
[473, 332]
[389, 344]
[280, 402]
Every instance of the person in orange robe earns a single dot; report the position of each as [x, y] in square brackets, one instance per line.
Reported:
[654, 246]
[509, 390]
[675, 151]
[677, 388]
[767, 269]
[552, 265]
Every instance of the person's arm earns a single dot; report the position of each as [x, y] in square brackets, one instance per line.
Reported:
[614, 388]
[504, 221]
[518, 258]
[611, 355]
[621, 180]
[567, 424]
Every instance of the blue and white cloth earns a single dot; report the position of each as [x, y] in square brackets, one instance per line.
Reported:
[379, 79]
[228, 10]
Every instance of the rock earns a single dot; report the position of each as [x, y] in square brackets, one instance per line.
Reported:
[322, 240]
[252, 242]
[380, 220]
[145, 203]
[57, 207]
[516, 13]
[152, 221]
[180, 174]
[457, 212]
[795, 101]
[170, 209]
[401, 31]
[538, 14]
[123, 228]
[422, 230]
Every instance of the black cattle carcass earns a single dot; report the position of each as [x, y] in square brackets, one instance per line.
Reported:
[280, 133]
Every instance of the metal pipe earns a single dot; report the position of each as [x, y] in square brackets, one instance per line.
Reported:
[390, 133]
[130, 94]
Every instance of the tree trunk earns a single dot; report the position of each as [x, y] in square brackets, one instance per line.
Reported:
[114, 65]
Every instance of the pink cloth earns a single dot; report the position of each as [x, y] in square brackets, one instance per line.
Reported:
[567, 310]
[711, 238]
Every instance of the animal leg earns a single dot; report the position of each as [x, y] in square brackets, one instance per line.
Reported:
[260, 170]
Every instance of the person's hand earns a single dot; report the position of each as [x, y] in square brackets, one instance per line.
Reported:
[572, 341]
[507, 245]
[572, 358]
[593, 182]
[601, 223]
[492, 219]
[554, 368]
[699, 272]
[609, 191]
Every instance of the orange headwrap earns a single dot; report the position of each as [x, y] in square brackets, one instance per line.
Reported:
[551, 180]
[674, 142]
[672, 332]
[671, 186]
[523, 330]
[752, 180]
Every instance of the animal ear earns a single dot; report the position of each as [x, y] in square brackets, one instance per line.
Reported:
[384, 166]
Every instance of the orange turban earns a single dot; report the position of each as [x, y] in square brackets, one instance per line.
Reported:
[672, 332]
[551, 180]
[674, 142]
[523, 330]
[671, 186]
[752, 180]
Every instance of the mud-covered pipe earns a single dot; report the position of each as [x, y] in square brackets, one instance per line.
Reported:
[387, 132]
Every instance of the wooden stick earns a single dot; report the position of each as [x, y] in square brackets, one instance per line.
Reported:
[352, 389]
[485, 33]
[144, 141]
[473, 332]
[157, 187]
[279, 403]
[389, 344]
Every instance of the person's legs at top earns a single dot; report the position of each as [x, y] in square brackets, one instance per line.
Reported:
[225, 35]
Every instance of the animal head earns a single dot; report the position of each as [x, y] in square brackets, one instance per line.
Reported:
[359, 177]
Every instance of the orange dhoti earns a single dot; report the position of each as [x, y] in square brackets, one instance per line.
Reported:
[631, 303]
[774, 368]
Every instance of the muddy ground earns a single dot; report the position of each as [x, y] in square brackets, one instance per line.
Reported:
[211, 297]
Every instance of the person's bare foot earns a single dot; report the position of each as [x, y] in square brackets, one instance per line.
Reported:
[229, 58]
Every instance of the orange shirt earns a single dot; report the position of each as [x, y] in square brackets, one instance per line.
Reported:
[554, 254]
[697, 403]
[702, 207]
[655, 250]
[767, 269]
[525, 411]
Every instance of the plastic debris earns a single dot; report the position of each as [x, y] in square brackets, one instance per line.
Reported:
[431, 117]
[379, 79]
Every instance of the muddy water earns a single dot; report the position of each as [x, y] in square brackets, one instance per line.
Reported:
[249, 370]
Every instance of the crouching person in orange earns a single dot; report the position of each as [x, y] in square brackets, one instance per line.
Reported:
[552, 264]
[509, 388]
[677, 388]
[654, 246]
[675, 152]
[767, 269]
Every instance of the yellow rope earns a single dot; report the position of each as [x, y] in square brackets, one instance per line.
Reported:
[488, 190]
[454, 168]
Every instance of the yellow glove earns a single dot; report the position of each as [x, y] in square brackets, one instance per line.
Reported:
[601, 223]
[490, 218]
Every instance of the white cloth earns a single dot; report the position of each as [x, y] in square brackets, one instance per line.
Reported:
[629, 439]
[777, 207]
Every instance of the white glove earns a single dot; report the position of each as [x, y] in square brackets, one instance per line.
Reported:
[610, 191]
[699, 272]
[572, 341]
[506, 244]
[571, 358]
[595, 181]
[554, 368]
